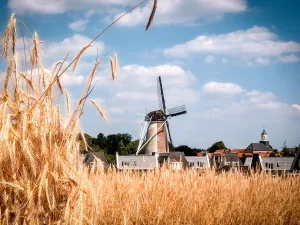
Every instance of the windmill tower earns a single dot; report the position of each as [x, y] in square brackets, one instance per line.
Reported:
[156, 129]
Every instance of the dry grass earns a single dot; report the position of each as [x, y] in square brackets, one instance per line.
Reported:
[43, 182]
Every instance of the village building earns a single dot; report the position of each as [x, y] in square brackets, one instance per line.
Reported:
[136, 162]
[263, 147]
[229, 160]
[276, 163]
[198, 162]
[95, 158]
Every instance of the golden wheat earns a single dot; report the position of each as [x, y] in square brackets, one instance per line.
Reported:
[42, 180]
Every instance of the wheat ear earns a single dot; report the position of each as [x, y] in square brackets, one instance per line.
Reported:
[152, 14]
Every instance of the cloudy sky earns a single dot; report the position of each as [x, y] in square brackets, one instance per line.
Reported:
[235, 64]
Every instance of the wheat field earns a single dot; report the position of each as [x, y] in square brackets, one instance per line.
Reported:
[43, 182]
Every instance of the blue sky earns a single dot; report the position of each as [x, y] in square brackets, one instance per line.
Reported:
[234, 63]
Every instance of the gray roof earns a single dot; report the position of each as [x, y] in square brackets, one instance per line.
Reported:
[258, 147]
[163, 157]
[136, 162]
[198, 162]
[248, 161]
[276, 163]
[96, 157]
[230, 159]
[177, 157]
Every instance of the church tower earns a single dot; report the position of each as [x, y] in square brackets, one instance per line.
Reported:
[264, 138]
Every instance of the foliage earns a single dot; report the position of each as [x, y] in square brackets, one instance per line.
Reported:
[285, 151]
[187, 150]
[217, 146]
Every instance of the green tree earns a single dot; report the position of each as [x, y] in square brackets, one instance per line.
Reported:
[217, 146]
[117, 143]
[101, 141]
[132, 147]
[186, 149]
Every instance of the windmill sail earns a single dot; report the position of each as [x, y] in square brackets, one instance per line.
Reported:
[160, 94]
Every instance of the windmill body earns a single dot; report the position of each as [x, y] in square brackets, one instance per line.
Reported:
[156, 129]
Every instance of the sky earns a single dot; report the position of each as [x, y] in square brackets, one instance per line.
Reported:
[235, 64]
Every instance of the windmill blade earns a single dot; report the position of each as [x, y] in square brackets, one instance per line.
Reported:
[160, 95]
[176, 111]
[168, 127]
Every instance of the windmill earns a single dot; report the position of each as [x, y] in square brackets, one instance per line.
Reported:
[156, 129]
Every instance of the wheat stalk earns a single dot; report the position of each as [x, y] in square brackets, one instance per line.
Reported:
[98, 108]
[152, 14]
[79, 57]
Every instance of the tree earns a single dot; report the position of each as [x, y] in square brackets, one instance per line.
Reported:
[132, 147]
[117, 143]
[101, 141]
[186, 149]
[217, 146]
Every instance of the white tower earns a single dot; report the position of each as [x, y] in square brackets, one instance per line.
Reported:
[264, 136]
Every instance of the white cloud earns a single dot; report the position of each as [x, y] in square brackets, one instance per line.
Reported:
[89, 13]
[181, 12]
[289, 58]
[257, 96]
[146, 76]
[209, 59]
[270, 105]
[262, 61]
[296, 106]
[256, 43]
[71, 80]
[222, 88]
[58, 50]
[78, 25]
[60, 6]
[137, 96]
[224, 60]
[116, 110]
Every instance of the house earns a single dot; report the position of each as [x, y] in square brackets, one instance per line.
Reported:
[242, 153]
[198, 162]
[263, 147]
[136, 162]
[177, 161]
[230, 160]
[248, 161]
[97, 158]
[276, 163]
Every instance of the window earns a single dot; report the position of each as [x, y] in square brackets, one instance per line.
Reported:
[200, 164]
[176, 165]
[266, 165]
[125, 163]
[277, 164]
[271, 166]
[134, 163]
[191, 164]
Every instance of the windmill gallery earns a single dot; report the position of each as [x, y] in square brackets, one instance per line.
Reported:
[153, 149]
